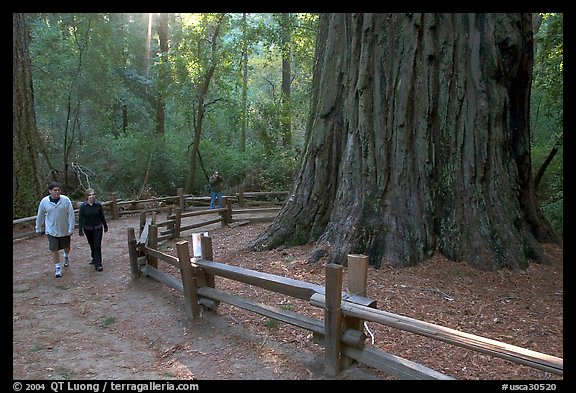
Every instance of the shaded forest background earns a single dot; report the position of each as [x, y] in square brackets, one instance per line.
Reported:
[142, 104]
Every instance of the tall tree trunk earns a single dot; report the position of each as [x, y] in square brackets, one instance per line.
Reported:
[26, 185]
[418, 140]
[82, 39]
[286, 119]
[162, 73]
[201, 110]
[244, 113]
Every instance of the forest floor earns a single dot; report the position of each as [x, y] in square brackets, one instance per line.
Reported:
[103, 325]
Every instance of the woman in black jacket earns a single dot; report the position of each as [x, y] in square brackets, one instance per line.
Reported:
[92, 223]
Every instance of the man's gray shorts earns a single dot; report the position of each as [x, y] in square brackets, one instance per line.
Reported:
[58, 243]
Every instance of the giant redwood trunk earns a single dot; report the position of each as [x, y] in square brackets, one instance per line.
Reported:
[417, 142]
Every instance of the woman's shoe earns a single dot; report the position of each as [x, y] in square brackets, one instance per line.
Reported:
[99, 268]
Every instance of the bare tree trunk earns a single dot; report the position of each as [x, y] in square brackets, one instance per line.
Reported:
[244, 113]
[162, 73]
[286, 119]
[202, 92]
[69, 185]
[26, 186]
[418, 140]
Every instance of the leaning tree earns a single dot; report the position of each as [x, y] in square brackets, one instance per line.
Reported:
[418, 141]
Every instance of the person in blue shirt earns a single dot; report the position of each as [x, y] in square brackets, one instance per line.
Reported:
[92, 223]
[56, 219]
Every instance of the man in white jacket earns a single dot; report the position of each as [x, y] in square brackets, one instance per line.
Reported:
[56, 219]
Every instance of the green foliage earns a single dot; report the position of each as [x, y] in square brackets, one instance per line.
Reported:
[272, 323]
[548, 74]
[256, 168]
[552, 183]
[65, 373]
[547, 115]
[121, 164]
[107, 322]
[95, 98]
[554, 212]
[38, 347]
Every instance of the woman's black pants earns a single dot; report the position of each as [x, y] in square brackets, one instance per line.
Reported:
[94, 238]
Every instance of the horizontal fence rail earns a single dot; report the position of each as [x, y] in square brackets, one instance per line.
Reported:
[114, 208]
[488, 346]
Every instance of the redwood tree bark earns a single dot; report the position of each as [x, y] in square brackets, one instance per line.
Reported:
[26, 188]
[418, 141]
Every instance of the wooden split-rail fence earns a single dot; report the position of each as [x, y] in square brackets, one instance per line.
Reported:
[341, 332]
[179, 207]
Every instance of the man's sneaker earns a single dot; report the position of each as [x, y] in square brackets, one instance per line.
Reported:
[58, 271]
[65, 261]
[99, 268]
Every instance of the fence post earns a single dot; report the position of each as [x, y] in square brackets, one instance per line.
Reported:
[227, 215]
[197, 254]
[208, 278]
[188, 281]
[357, 274]
[153, 244]
[357, 282]
[208, 255]
[333, 319]
[241, 195]
[180, 193]
[133, 254]
[169, 214]
[114, 207]
[177, 222]
[142, 221]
